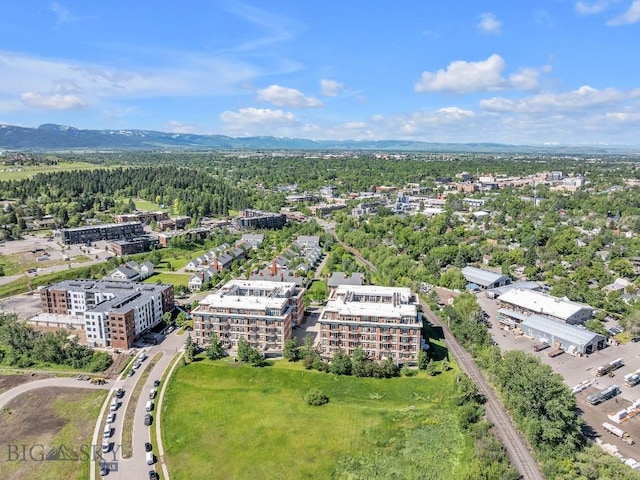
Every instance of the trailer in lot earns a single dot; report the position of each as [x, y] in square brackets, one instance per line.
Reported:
[603, 395]
[618, 432]
[632, 379]
[609, 367]
[556, 352]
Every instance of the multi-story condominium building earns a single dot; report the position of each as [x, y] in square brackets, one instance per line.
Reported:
[115, 313]
[134, 245]
[258, 219]
[176, 223]
[384, 321]
[261, 312]
[109, 231]
[144, 217]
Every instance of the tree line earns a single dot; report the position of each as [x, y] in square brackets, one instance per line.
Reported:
[21, 346]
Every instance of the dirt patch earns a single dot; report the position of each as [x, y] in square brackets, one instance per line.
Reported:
[31, 415]
[9, 381]
[48, 424]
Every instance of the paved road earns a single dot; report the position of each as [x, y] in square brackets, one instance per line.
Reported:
[517, 448]
[136, 467]
[11, 394]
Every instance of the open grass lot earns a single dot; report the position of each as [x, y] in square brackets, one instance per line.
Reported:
[228, 421]
[17, 172]
[143, 205]
[56, 417]
[173, 278]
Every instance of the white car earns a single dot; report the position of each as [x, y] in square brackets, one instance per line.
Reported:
[111, 418]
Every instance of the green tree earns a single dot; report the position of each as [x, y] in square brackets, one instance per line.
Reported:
[430, 368]
[453, 279]
[255, 358]
[215, 351]
[243, 350]
[189, 349]
[341, 363]
[291, 351]
[423, 360]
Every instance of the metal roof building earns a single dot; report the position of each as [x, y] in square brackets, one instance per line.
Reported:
[572, 339]
[532, 302]
[484, 278]
[496, 292]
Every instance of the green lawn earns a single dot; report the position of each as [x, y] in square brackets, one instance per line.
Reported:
[143, 205]
[222, 420]
[173, 278]
[21, 172]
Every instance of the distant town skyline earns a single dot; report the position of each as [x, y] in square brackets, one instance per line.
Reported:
[528, 72]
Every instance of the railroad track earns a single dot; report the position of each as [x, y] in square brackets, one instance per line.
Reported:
[516, 447]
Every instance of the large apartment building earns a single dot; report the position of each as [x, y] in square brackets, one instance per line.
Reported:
[261, 312]
[93, 233]
[258, 219]
[115, 314]
[384, 321]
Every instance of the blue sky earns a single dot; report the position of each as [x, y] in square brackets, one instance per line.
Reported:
[519, 72]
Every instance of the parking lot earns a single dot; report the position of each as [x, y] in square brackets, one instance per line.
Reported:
[575, 370]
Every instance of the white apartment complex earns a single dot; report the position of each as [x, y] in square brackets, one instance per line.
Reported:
[384, 321]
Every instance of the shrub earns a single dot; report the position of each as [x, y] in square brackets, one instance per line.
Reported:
[316, 397]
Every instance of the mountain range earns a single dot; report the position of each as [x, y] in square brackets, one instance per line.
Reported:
[49, 137]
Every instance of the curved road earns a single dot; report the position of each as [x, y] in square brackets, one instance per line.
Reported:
[516, 446]
[11, 394]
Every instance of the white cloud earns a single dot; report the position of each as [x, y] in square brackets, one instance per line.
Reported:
[583, 98]
[489, 24]
[482, 76]
[330, 88]
[252, 115]
[592, 8]
[632, 15]
[355, 125]
[287, 97]
[62, 13]
[454, 113]
[624, 117]
[259, 121]
[53, 102]
[181, 74]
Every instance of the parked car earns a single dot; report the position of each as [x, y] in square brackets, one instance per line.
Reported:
[103, 469]
[120, 393]
[635, 339]
[131, 372]
[153, 475]
[147, 447]
[148, 419]
[156, 383]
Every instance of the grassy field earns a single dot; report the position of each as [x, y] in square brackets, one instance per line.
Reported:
[17, 172]
[144, 205]
[254, 423]
[173, 278]
[55, 418]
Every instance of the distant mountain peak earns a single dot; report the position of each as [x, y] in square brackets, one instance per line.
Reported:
[52, 127]
[50, 136]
